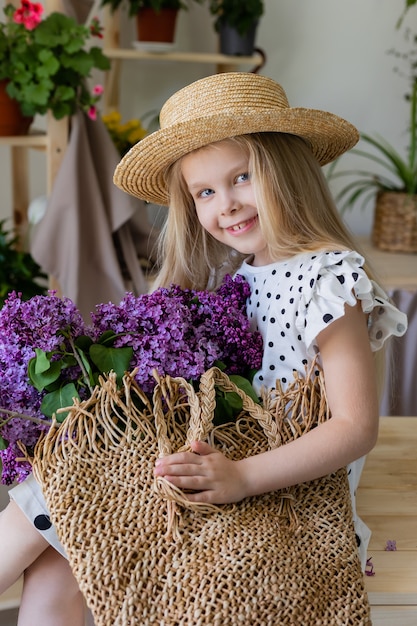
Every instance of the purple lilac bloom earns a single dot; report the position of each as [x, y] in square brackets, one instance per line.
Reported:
[177, 332]
[183, 332]
[25, 326]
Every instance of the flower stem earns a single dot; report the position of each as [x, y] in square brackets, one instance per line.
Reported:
[13, 414]
[80, 363]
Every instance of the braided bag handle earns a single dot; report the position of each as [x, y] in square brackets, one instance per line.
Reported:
[200, 427]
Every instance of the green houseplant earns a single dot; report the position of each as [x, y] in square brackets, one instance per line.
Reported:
[236, 22]
[18, 270]
[156, 19]
[134, 6]
[46, 62]
[393, 181]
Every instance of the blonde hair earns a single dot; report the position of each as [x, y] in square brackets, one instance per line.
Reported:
[295, 208]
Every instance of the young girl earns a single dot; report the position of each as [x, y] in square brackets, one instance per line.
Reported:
[240, 171]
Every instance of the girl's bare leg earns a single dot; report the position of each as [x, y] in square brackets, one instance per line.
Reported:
[20, 542]
[51, 596]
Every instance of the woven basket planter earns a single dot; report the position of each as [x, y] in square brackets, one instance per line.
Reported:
[395, 222]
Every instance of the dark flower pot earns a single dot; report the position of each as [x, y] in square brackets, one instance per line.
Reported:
[233, 43]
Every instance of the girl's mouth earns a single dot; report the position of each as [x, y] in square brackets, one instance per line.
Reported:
[242, 226]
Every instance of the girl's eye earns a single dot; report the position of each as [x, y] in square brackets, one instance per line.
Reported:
[205, 193]
[243, 178]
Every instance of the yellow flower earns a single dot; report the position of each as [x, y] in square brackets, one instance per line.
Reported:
[125, 135]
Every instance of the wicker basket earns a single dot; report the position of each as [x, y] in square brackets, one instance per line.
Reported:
[395, 222]
[144, 555]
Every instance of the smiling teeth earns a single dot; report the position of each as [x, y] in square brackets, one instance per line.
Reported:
[239, 226]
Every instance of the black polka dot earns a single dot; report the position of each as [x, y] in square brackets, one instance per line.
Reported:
[272, 320]
[355, 276]
[341, 279]
[271, 344]
[282, 333]
[268, 295]
[311, 282]
[300, 277]
[282, 311]
[282, 357]
[277, 297]
[327, 318]
[274, 272]
[287, 274]
[42, 522]
[291, 300]
[272, 367]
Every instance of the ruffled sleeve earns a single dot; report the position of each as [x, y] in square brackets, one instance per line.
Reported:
[336, 279]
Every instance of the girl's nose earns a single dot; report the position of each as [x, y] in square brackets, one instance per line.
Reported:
[230, 204]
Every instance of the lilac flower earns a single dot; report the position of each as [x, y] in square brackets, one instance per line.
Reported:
[25, 326]
[174, 331]
[183, 332]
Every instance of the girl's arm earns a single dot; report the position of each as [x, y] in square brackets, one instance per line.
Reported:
[349, 374]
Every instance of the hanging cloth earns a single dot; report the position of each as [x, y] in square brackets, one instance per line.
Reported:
[89, 222]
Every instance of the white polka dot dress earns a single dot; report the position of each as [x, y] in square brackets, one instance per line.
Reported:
[292, 301]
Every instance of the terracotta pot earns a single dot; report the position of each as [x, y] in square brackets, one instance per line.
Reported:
[12, 122]
[395, 222]
[156, 26]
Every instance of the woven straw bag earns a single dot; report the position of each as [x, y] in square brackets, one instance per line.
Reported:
[395, 222]
[143, 554]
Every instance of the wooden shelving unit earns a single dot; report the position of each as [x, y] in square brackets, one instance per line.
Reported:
[112, 48]
[52, 142]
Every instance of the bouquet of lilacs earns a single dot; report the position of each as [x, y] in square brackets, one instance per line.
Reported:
[49, 355]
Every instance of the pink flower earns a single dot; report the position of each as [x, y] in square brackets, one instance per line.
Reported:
[98, 90]
[29, 14]
[95, 28]
[92, 113]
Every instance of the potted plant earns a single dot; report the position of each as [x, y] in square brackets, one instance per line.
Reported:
[45, 63]
[237, 22]
[156, 19]
[395, 190]
[18, 270]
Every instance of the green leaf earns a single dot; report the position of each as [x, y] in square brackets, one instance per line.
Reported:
[245, 385]
[63, 397]
[107, 337]
[223, 412]
[83, 342]
[42, 378]
[108, 359]
[3, 443]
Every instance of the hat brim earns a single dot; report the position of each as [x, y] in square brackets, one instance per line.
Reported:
[141, 171]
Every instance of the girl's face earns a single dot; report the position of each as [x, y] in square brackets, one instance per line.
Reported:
[218, 180]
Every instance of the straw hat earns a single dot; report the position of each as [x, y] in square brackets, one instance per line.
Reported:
[218, 107]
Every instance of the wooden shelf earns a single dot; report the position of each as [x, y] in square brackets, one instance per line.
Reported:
[183, 57]
[35, 139]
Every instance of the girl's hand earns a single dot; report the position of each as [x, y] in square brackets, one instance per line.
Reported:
[207, 471]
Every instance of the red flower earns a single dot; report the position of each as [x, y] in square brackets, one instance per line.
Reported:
[29, 14]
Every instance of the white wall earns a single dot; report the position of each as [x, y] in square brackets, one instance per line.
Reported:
[327, 54]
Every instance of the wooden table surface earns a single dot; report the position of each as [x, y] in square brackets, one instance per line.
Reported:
[395, 270]
[387, 502]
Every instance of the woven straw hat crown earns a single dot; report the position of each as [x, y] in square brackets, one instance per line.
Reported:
[216, 108]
